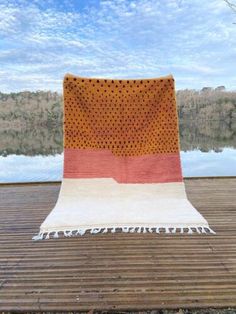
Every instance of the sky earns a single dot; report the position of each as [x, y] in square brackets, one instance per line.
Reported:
[41, 41]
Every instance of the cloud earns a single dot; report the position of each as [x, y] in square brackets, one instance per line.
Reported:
[141, 38]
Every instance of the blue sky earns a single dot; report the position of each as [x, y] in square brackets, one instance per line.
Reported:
[41, 40]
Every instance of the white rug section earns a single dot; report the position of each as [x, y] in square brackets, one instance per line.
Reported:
[101, 204]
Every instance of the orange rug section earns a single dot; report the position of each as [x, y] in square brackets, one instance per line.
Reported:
[124, 129]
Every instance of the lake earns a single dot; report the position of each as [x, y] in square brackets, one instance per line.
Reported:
[208, 148]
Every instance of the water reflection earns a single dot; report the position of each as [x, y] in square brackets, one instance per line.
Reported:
[38, 141]
[211, 164]
[20, 168]
[202, 135]
[208, 148]
[207, 135]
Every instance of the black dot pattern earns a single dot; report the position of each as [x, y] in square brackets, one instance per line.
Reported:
[128, 117]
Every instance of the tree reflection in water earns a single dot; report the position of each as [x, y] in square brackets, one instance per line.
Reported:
[48, 140]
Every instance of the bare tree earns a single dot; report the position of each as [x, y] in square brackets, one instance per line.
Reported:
[231, 5]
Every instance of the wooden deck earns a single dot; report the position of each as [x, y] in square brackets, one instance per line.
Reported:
[116, 271]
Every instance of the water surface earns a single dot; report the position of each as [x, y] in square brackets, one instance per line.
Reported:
[20, 168]
[208, 148]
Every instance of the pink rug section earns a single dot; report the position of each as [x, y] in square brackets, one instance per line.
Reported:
[101, 163]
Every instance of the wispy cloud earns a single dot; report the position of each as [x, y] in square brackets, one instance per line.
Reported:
[42, 40]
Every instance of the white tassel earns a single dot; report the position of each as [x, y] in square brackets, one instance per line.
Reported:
[198, 230]
[190, 231]
[132, 230]
[174, 230]
[144, 230]
[181, 230]
[81, 232]
[38, 237]
[211, 231]
[150, 230]
[113, 230]
[139, 230]
[55, 235]
[67, 234]
[125, 229]
[167, 230]
[157, 230]
[47, 236]
[95, 230]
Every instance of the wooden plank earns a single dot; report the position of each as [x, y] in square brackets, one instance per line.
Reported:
[116, 271]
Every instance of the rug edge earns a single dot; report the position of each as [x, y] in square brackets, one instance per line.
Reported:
[161, 229]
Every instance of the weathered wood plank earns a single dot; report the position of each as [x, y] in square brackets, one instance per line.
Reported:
[116, 271]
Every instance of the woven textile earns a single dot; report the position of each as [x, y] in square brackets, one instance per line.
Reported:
[122, 168]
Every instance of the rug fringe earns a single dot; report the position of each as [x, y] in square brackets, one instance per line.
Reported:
[158, 229]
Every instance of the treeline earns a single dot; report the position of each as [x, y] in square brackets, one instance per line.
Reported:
[31, 122]
[25, 110]
[207, 104]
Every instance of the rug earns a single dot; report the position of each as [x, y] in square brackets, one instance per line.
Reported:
[122, 168]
